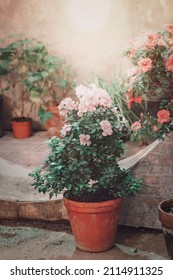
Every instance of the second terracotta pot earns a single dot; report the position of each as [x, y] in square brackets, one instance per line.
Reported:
[55, 123]
[21, 129]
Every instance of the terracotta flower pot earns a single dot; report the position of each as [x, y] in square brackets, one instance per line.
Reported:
[94, 225]
[21, 128]
[166, 218]
[55, 123]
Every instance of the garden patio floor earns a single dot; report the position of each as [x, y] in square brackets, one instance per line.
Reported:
[22, 239]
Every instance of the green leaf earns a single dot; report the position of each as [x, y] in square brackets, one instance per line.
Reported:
[63, 84]
[43, 115]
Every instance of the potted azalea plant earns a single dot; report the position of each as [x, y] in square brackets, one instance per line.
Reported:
[151, 81]
[151, 78]
[83, 165]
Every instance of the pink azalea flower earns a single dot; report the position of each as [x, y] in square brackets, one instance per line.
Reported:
[92, 97]
[66, 105]
[163, 116]
[169, 63]
[132, 71]
[169, 27]
[106, 127]
[145, 64]
[135, 126]
[155, 128]
[92, 182]
[151, 40]
[132, 80]
[85, 139]
[65, 129]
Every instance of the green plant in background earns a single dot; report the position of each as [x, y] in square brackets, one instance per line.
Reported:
[117, 90]
[49, 81]
[39, 77]
[84, 161]
[14, 70]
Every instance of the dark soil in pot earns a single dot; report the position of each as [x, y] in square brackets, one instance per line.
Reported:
[21, 119]
[168, 209]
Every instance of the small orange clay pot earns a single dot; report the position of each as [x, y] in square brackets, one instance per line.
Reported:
[55, 123]
[22, 129]
[94, 225]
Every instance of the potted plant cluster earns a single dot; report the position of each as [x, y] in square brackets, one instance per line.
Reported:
[16, 63]
[83, 165]
[152, 80]
[33, 76]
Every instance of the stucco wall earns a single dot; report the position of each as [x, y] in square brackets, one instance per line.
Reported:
[90, 34]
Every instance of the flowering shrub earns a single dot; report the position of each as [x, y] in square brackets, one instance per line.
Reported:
[151, 78]
[155, 126]
[84, 161]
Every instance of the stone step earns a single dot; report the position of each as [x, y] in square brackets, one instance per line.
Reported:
[19, 200]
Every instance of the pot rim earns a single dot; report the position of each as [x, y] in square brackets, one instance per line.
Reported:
[166, 202]
[87, 207]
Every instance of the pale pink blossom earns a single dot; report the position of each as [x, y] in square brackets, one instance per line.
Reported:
[106, 127]
[92, 182]
[85, 139]
[65, 129]
[132, 80]
[162, 43]
[135, 126]
[145, 64]
[171, 41]
[115, 109]
[132, 71]
[151, 40]
[66, 105]
[92, 97]
[155, 128]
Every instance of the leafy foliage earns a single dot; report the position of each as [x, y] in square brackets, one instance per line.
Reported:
[151, 80]
[42, 78]
[84, 161]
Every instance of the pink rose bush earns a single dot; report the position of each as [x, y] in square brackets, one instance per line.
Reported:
[84, 161]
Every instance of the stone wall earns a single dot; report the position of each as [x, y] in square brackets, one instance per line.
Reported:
[157, 170]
